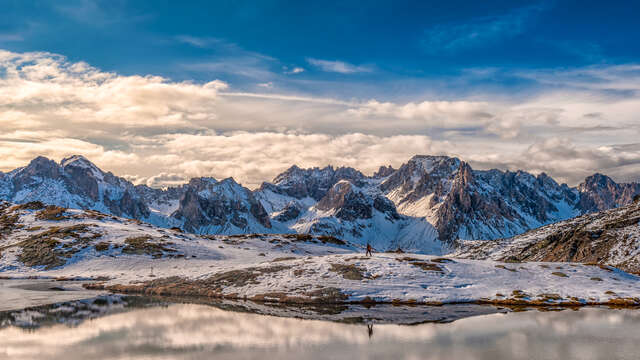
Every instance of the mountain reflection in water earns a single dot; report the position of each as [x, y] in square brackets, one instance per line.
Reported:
[153, 330]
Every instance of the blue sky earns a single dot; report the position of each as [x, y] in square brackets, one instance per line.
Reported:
[159, 90]
[414, 47]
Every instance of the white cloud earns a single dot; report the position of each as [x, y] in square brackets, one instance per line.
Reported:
[295, 70]
[160, 132]
[338, 66]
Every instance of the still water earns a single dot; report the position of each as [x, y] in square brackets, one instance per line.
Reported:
[137, 328]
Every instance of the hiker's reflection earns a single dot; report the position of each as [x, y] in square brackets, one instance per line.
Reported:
[370, 330]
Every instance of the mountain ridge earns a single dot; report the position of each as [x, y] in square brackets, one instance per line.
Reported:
[424, 205]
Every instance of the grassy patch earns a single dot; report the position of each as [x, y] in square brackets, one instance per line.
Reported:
[102, 246]
[506, 268]
[239, 278]
[560, 274]
[143, 245]
[285, 258]
[426, 266]
[422, 264]
[326, 239]
[51, 213]
[298, 237]
[47, 249]
[519, 294]
[548, 297]
[349, 272]
[32, 205]
[596, 279]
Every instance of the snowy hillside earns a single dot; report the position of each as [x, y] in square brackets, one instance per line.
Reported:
[610, 237]
[129, 256]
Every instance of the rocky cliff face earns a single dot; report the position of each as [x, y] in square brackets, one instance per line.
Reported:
[600, 192]
[224, 207]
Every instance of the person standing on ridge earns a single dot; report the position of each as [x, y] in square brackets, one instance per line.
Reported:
[369, 248]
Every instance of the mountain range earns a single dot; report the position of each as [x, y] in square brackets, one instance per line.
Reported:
[425, 205]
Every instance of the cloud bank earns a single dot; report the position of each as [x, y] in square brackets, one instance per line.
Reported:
[161, 132]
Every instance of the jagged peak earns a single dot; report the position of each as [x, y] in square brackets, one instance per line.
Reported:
[202, 181]
[81, 162]
[39, 165]
[294, 173]
[597, 179]
[230, 181]
[77, 160]
[428, 162]
[437, 158]
[41, 160]
[384, 171]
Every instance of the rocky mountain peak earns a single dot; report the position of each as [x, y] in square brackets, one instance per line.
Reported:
[210, 206]
[41, 167]
[313, 182]
[383, 171]
[599, 192]
[597, 182]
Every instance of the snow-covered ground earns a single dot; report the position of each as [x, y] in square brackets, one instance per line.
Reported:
[131, 256]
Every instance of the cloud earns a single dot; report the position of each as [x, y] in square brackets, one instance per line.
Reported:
[201, 42]
[162, 180]
[228, 59]
[477, 32]
[161, 132]
[9, 37]
[295, 70]
[338, 66]
[569, 162]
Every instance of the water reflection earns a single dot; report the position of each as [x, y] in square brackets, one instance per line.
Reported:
[194, 331]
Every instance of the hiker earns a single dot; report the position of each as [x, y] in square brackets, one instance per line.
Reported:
[369, 248]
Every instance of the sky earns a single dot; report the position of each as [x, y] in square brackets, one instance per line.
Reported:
[161, 91]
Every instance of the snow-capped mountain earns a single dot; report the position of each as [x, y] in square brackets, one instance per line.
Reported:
[469, 204]
[220, 207]
[74, 183]
[424, 205]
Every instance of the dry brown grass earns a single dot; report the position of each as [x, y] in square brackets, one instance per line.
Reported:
[51, 213]
[143, 245]
[348, 271]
